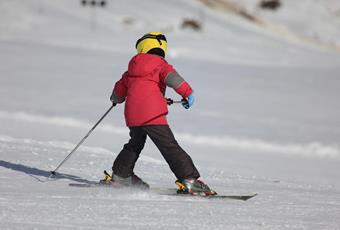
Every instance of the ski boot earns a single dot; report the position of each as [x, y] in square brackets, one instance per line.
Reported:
[194, 187]
[120, 182]
[107, 179]
[131, 181]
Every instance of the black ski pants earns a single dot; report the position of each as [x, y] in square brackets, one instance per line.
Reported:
[178, 160]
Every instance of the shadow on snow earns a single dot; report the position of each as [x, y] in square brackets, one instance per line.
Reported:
[36, 173]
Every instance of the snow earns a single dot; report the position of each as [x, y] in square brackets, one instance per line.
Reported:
[265, 119]
[320, 21]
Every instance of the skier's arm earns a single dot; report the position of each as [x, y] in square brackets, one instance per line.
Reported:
[176, 81]
[119, 92]
[171, 78]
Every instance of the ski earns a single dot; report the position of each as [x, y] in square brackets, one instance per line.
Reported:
[166, 191]
[87, 185]
[232, 197]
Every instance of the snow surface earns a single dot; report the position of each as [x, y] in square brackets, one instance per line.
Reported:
[314, 20]
[266, 119]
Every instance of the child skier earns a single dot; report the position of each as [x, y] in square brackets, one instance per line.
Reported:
[142, 87]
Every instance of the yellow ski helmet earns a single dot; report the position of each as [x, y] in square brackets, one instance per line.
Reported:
[150, 41]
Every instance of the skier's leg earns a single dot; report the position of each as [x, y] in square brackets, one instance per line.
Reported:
[179, 161]
[125, 162]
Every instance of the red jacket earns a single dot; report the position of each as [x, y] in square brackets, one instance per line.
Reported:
[143, 87]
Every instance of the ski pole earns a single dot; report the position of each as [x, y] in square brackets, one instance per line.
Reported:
[170, 101]
[82, 140]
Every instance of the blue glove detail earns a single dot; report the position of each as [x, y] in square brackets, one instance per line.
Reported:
[187, 103]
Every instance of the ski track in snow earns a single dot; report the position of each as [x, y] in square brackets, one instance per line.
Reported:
[304, 150]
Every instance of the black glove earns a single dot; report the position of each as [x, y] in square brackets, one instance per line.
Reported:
[112, 99]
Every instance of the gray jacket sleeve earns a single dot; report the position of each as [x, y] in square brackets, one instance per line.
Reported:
[174, 80]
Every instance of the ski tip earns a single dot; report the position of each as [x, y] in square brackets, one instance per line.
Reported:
[234, 197]
[251, 196]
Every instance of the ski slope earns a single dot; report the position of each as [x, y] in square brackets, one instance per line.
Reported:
[320, 22]
[266, 119]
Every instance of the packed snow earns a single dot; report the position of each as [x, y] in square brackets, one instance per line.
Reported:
[265, 120]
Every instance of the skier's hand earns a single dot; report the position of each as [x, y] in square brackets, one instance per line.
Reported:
[188, 102]
[112, 99]
[112, 96]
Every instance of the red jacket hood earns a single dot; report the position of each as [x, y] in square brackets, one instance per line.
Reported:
[142, 64]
